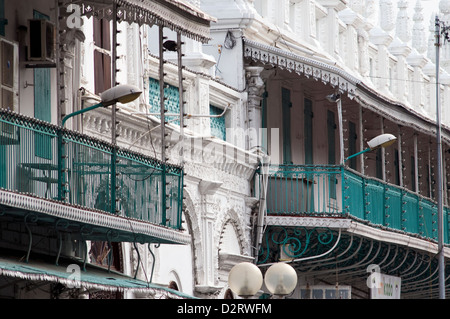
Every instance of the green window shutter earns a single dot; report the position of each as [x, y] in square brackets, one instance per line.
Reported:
[172, 102]
[378, 164]
[3, 20]
[413, 174]
[331, 132]
[42, 104]
[308, 131]
[286, 110]
[264, 122]
[352, 144]
[217, 124]
[397, 166]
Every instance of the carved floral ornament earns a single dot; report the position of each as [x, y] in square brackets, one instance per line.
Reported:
[301, 65]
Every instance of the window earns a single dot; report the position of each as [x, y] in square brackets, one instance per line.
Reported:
[352, 144]
[102, 55]
[42, 104]
[413, 174]
[331, 130]
[218, 127]
[172, 102]
[3, 21]
[308, 131]
[286, 110]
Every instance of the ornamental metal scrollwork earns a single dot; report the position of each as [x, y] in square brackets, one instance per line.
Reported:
[289, 243]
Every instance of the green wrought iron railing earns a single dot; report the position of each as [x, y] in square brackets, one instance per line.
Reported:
[395, 207]
[328, 190]
[79, 169]
[305, 189]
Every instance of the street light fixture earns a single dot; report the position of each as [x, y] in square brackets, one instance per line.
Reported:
[280, 279]
[245, 279]
[383, 140]
[123, 93]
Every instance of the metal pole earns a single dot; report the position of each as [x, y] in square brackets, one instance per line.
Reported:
[182, 110]
[113, 114]
[163, 125]
[341, 132]
[441, 261]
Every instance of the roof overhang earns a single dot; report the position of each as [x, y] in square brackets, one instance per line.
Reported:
[177, 15]
[345, 248]
[71, 274]
[343, 81]
[87, 224]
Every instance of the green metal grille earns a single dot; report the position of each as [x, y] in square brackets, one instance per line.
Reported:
[308, 190]
[218, 127]
[85, 166]
[171, 102]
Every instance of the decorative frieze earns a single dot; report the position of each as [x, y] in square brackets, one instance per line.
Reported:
[301, 65]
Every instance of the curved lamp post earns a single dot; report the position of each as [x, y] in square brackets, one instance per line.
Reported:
[245, 279]
[383, 140]
[123, 93]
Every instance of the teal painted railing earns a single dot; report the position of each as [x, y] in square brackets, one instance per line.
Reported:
[306, 189]
[384, 204]
[312, 190]
[86, 172]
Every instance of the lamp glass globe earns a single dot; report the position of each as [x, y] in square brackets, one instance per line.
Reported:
[245, 279]
[280, 279]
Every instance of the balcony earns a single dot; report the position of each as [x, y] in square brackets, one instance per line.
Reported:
[70, 175]
[334, 191]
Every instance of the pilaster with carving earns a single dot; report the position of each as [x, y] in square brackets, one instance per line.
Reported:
[255, 89]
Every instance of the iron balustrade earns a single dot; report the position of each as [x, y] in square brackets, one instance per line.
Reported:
[77, 169]
[303, 189]
[335, 191]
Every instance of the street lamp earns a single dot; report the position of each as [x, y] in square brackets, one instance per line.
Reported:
[280, 279]
[245, 279]
[123, 93]
[383, 140]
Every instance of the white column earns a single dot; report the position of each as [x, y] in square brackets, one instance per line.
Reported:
[255, 86]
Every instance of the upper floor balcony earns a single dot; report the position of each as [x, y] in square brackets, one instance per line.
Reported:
[339, 192]
[64, 177]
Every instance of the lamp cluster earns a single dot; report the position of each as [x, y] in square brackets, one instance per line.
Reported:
[245, 279]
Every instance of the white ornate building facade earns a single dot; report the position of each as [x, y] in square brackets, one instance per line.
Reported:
[244, 159]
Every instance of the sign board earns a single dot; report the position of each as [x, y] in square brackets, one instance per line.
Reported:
[384, 287]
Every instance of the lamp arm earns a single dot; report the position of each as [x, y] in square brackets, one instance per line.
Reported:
[359, 153]
[80, 111]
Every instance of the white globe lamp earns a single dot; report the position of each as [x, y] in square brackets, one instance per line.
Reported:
[280, 279]
[245, 279]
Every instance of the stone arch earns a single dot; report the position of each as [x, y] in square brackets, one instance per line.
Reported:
[174, 281]
[232, 218]
[194, 229]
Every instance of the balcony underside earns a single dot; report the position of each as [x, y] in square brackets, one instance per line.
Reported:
[83, 223]
[340, 250]
[69, 272]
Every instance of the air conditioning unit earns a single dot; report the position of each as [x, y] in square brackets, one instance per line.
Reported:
[41, 42]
